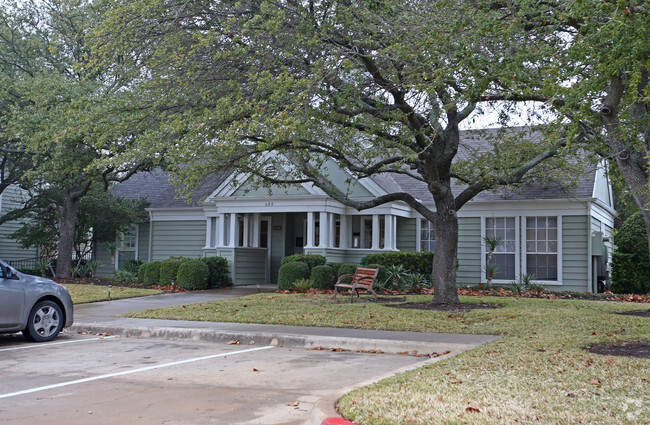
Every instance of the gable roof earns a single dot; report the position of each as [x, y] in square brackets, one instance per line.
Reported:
[160, 191]
[157, 187]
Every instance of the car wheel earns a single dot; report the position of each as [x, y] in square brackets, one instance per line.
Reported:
[45, 322]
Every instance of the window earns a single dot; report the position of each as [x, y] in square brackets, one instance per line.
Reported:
[427, 237]
[128, 238]
[504, 254]
[541, 247]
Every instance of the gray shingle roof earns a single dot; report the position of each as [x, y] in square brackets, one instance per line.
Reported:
[157, 188]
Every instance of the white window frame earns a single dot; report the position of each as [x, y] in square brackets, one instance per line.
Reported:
[419, 238]
[524, 250]
[517, 252]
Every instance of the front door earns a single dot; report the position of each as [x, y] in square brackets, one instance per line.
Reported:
[265, 242]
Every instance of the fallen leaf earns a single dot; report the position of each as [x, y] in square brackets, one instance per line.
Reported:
[472, 409]
[295, 404]
[255, 370]
[251, 342]
[595, 382]
[234, 342]
[456, 381]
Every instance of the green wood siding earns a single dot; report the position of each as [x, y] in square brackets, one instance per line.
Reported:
[575, 261]
[469, 251]
[12, 198]
[178, 239]
[250, 266]
[407, 234]
[278, 244]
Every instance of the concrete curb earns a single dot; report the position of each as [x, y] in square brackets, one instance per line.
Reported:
[274, 339]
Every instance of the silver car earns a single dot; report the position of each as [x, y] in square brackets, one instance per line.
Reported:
[37, 306]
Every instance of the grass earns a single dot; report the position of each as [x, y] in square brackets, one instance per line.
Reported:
[538, 372]
[93, 293]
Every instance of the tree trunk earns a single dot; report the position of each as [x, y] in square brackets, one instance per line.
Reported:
[445, 226]
[67, 222]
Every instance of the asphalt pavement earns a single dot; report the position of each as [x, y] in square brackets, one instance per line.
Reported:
[103, 318]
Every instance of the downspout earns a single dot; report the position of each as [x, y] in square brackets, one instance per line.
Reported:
[150, 236]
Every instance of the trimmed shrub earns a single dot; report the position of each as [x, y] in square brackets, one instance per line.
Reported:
[312, 260]
[321, 277]
[141, 271]
[291, 272]
[414, 262]
[193, 275]
[219, 276]
[382, 276]
[631, 260]
[335, 269]
[168, 271]
[152, 273]
[347, 268]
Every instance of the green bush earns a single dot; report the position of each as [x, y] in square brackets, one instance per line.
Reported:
[168, 271]
[132, 266]
[382, 276]
[291, 272]
[347, 268]
[219, 276]
[142, 270]
[321, 277]
[152, 274]
[413, 262]
[335, 270]
[312, 260]
[631, 260]
[193, 275]
[125, 276]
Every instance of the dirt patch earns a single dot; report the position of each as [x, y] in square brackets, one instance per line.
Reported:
[639, 349]
[446, 307]
[640, 313]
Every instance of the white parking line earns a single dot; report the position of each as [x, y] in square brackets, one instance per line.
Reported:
[24, 347]
[128, 372]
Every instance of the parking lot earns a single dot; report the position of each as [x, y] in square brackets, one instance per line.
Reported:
[82, 379]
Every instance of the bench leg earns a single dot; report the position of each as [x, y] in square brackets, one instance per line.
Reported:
[335, 289]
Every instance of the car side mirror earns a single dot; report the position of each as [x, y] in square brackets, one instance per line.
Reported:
[9, 273]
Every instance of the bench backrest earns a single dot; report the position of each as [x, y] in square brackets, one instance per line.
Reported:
[364, 276]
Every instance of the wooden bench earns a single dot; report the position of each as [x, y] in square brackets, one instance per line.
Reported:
[362, 279]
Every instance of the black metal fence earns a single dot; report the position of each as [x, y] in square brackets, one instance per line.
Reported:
[34, 263]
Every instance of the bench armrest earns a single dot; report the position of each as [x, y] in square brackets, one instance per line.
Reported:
[343, 276]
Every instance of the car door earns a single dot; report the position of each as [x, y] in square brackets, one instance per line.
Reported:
[12, 301]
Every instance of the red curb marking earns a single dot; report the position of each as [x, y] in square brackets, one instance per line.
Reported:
[336, 421]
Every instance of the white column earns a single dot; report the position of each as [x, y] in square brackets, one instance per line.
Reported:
[394, 218]
[256, 229]
[344, 231]
[310, 230]
[221, 230]
[332, 227]
[324, 230]
[388, 231]
[233, 230]
[375, 231]
[209, 242]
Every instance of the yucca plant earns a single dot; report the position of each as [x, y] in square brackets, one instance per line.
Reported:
[492, 243]
[302, 285]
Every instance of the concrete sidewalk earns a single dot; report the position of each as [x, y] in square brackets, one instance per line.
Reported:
[103, 318]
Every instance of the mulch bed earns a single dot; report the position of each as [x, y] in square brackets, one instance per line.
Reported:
[639, 349]
[446, 307]
[640, 313]
[106, 282]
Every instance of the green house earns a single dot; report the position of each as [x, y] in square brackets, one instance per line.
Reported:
[561, 236]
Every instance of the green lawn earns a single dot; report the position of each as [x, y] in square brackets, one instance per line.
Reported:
[538, 373]
[92, 293]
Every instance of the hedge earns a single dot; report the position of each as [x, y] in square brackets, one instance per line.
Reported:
[413, 262]
[219, 276]
[168, 271]
[347, 268]
[631, 260]
[321, 277]
[152, 273]
[141, 271]
[290, 272]
[312, 260]
[193, 275]
[335, 270]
